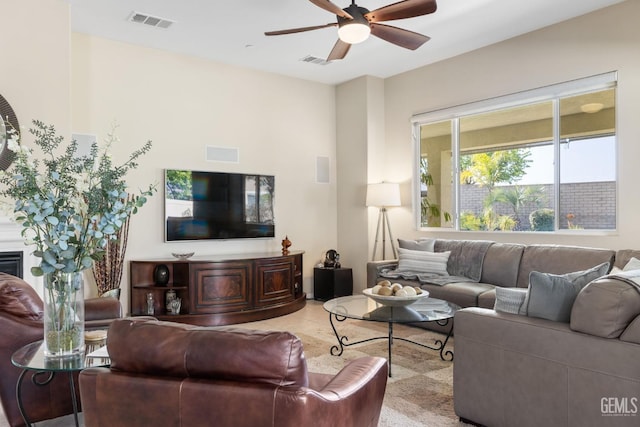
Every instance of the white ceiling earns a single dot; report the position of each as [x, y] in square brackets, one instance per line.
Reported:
[232, 32]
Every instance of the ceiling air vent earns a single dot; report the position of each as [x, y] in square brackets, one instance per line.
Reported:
[314, 60]
[152, 21]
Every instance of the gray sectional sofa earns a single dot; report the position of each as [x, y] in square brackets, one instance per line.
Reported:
[503, 264]
[517, 369]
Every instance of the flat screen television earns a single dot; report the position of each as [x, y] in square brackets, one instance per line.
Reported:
[217, 205]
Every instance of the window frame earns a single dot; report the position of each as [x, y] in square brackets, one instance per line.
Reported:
[453, 114]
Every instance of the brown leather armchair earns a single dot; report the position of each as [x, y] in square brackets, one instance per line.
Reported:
[21, 312]
[172, 374]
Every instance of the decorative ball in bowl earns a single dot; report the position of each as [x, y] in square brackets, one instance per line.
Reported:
[185, 255]
[392, 300]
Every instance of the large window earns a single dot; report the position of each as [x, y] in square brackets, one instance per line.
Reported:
[542, 160]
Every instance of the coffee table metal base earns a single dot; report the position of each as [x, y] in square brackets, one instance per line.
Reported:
[439, 345]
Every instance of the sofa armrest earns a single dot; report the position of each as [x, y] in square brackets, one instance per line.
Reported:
[374, 268]
[517, 370]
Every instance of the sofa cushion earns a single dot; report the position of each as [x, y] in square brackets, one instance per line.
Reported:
[509, 300]
[623, 256]
[551, 296]
[422, 261]
[464, 294]
[605, 307]
[632, 333]
[417, 245]
[488, 299]
[557, 259]
[633, 264]
[501, 264]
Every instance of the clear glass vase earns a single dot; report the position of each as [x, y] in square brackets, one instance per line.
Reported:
[63, 314]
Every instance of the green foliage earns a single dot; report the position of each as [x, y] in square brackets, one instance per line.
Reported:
[69, 206]
[542, 220]
[490, 168]
[468, 221]
[429, 211]
[517, 197]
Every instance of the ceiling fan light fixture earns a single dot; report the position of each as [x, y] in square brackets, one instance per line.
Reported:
[592, 107]
[354, 33]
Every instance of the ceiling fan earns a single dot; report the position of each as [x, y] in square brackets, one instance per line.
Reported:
[355, 23]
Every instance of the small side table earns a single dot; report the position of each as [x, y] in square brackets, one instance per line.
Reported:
[330, 283]
[31, 357]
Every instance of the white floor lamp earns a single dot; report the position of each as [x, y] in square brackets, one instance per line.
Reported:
[383, 195]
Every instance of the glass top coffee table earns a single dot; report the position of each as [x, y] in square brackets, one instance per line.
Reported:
[360, 307]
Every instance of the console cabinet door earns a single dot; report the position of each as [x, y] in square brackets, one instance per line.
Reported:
[220, 287]
[274, 281]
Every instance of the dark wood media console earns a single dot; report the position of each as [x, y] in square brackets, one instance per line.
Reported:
[221, 290]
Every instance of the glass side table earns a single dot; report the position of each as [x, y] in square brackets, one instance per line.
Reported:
[31, 358]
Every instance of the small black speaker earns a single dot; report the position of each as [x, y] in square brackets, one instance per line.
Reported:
[161, 274]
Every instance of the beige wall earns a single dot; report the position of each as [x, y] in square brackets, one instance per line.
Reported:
[35, 80]
[360, 143]
[595, 43]
[279, 124]
[82, 84]
[34, 69]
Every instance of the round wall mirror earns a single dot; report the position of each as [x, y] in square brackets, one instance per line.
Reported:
[7, 115]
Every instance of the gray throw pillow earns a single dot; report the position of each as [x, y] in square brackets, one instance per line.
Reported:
[509, 300]
[551, 296]
[417, 245]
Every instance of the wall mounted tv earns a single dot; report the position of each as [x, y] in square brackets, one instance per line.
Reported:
[217, 205]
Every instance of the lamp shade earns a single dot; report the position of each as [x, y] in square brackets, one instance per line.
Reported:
[383, 194]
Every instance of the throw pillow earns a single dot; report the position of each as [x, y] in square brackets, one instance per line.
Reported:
[551, 296]
[605, 307]
[422, 262]
[616, 270]
[633, 264]
[509, 300]
[417, 245]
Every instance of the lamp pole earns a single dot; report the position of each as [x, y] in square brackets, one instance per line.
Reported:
[383, 223]
[383, 195]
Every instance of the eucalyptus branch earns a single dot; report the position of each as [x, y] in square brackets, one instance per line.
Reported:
[72, 207]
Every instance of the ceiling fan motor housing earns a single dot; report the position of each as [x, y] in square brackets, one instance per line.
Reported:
[358, 16]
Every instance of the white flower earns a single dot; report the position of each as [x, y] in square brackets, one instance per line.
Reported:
[13, 144]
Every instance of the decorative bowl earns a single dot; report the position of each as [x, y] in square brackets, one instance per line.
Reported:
[393, 301]
[185, 255]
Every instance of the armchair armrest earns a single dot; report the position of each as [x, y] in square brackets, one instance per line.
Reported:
[356, 377]
[353, 397]
[99, 312]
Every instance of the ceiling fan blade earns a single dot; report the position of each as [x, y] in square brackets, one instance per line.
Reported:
[402, 10]
[298, 30]
[339, 50]
[398, 36]
[330, 7]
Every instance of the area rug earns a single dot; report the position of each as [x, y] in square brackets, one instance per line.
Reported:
[420, 391]
[419, 394]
